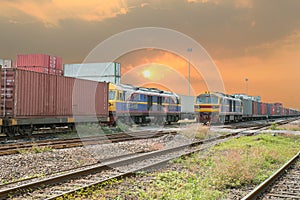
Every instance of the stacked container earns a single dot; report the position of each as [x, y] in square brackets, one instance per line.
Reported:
[5, 63]
[104, 72]
[40, 63]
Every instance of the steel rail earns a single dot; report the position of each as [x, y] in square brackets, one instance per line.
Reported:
[100, 167]
[264, 185]
[149, 166]
[75, 142]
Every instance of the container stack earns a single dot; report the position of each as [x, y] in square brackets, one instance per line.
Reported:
[41, 63]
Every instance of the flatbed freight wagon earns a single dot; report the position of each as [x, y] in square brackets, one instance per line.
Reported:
[30, 100]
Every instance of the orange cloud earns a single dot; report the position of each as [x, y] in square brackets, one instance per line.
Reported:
[164, 66]
[51, 13]
[272, 79]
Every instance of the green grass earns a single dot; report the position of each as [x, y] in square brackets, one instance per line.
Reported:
[35, 149]
[209, 175]
[290, 127]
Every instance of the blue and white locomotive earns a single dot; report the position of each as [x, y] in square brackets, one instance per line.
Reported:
[130, 104]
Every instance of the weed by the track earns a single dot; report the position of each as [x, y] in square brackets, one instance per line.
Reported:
[195, 131]
[35, 149]
[209, 175]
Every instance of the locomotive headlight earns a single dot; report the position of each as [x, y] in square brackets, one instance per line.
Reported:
[111, 104]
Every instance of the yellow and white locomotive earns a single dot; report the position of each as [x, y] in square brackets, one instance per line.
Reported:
[217, 107]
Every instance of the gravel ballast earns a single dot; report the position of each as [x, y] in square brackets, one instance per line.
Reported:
[31, 164]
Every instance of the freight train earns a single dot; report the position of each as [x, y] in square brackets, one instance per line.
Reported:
[32, 100]
[215, 107]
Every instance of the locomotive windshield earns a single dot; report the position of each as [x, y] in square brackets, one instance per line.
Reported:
[112, 95]
[207, 99]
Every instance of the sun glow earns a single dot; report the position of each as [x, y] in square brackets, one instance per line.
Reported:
[146, 74]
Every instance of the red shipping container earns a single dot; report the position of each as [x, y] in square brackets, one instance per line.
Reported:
[263, 109]
[36, 69]
[33, 60]
[37, 96]
[39, 60]
[59, 65]
[255, 108]
[55, 72]
[273, 109]
[287, 111]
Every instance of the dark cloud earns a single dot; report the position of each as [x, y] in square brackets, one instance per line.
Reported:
[224, 29]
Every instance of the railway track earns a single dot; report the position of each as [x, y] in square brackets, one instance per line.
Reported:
[37, 135]
[6, 149]
[57, 185]
[283, 184]
[257, 123]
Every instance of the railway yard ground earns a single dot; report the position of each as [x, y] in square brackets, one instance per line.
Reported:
[228, 170]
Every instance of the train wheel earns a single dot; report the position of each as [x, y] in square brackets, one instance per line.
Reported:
[25, 130]
[10, 131]
[161, 120]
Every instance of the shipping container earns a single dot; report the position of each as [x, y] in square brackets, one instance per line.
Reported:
[35, 69]
[39, 60]
[255, 108]
[108, 72]
[59, 65]
[272, 109]
[268, 109]
[247, 107]
[278, 108]
[187, 107]
[43, 70]
[55, 72]
[264, 109]
[286, 111]
[40, 97]
[258, 108]
[5, 63]
[187, 103]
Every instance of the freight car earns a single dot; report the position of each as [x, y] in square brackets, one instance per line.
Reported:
[31, 100]
[129, 104]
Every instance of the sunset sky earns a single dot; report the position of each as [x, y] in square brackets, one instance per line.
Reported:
[254, 39]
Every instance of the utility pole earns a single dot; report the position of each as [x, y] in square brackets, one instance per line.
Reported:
[189, 50]
[246, 79]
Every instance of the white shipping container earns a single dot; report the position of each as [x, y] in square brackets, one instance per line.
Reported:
[5, 63]
[108, 72]
[187, 103]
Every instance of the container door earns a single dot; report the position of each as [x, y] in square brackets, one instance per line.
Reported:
[7, 92]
